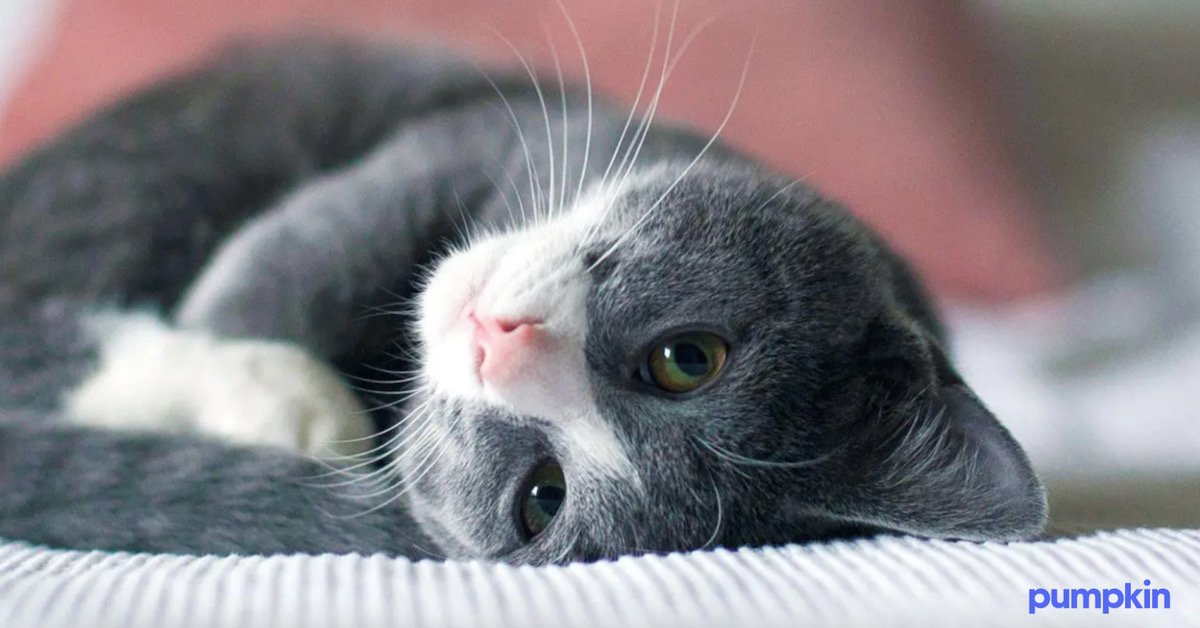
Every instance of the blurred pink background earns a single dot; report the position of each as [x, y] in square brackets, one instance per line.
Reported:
[885, 106]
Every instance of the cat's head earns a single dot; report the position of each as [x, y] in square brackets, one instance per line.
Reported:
[695, 358]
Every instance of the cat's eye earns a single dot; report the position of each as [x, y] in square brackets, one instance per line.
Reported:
[685, 362]
[541, 497]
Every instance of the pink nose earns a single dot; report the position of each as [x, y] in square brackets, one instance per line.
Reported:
[505, 345]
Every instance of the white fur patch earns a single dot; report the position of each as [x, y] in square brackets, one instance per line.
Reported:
[597, 449]
[448, 362]
[253, 392]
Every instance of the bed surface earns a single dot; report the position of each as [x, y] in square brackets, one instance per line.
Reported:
[882, 582]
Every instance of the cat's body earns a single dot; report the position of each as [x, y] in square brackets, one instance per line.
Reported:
[316, 204]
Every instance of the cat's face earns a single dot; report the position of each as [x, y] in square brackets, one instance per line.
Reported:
[717, 359]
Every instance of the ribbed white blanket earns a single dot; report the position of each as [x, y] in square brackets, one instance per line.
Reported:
[885, 582]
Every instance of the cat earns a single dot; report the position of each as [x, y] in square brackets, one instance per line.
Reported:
[535, 327]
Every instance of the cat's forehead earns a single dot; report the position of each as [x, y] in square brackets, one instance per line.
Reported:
[718, 211]
[706, 237]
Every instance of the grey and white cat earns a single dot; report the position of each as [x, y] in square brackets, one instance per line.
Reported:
[573, 335]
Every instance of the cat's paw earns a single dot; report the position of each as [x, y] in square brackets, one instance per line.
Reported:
[254, 392]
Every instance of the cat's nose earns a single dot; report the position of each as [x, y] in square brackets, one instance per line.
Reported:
[505, 345]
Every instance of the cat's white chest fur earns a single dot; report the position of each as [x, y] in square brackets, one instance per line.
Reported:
[253, 392]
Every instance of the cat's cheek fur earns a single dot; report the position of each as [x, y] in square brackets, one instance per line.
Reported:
[596, 451]
[153, 378]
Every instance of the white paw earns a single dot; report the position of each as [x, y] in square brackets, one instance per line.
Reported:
[254, 392]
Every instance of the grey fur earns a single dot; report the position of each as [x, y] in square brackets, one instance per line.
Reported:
[286, 190]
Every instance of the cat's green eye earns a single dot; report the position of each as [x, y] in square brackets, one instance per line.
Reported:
[686, 362]
[541, 498]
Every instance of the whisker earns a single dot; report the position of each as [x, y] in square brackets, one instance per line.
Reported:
[517, 191]
[388, 478]
[504, 197]
[687, 169]
[562, 98]
[378, 480]
[412, 377]
[669, 63]
[530, 166]
[388, 450]
[426, 469]
[643, 130]
[639, 135]
[738, 459]
[350, 472]
[379, 404]
[537, 87]
[352, 475]
[401, 302]
[637, 99]
[669, 69]
[397, 397]
[604, 184]
[406, 354]
[464, 233]
[720, 514]
[384, 450]
[377, 311]
[587, 80]
[387, 371]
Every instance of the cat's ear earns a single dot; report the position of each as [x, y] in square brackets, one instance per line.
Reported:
[932, 460]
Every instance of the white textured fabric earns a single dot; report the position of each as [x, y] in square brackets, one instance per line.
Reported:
[885, 582]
